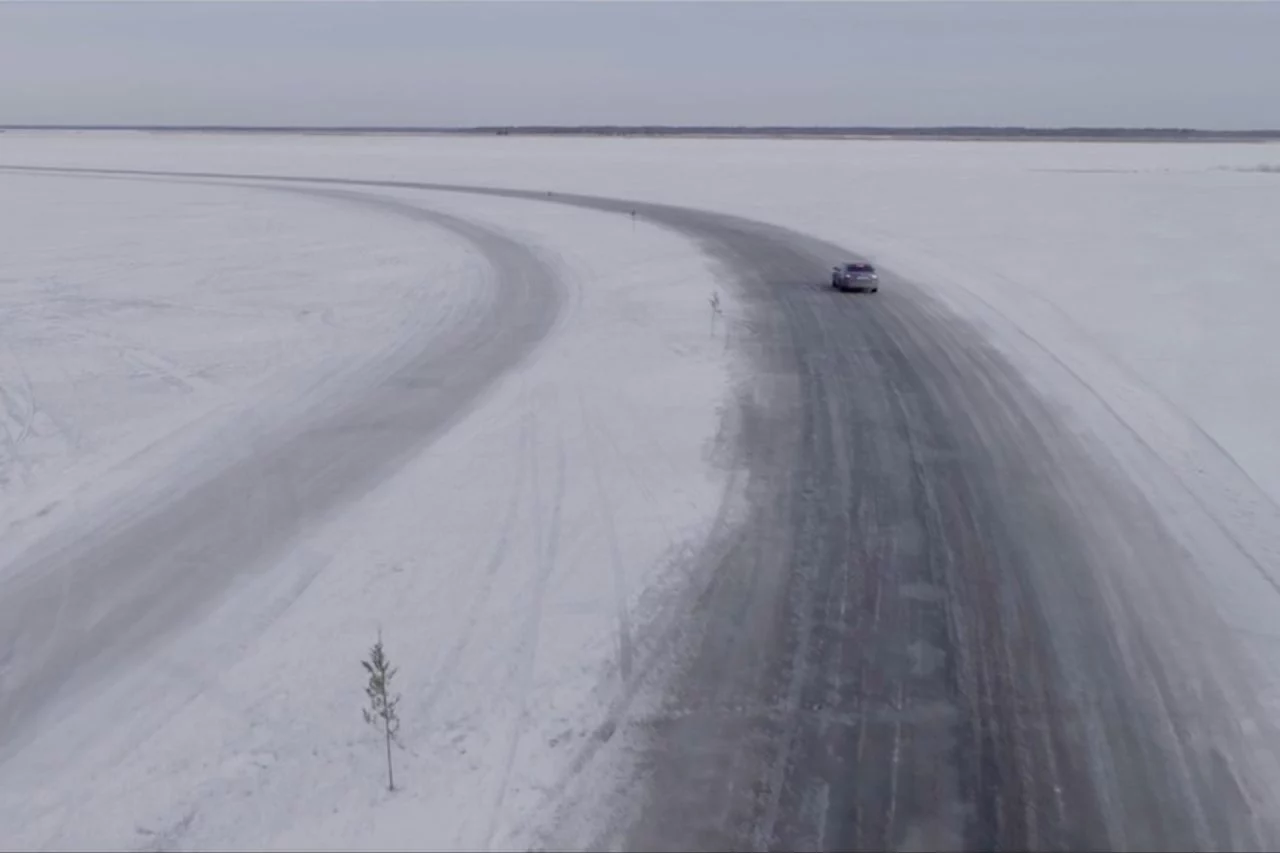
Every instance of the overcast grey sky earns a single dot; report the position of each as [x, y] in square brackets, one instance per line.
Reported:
[1213, 64]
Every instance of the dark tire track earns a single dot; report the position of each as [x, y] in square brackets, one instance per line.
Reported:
[922, 639]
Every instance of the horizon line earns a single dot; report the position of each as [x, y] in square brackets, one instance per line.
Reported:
[663, 128]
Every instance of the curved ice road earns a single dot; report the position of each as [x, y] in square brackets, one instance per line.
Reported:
[917, 642]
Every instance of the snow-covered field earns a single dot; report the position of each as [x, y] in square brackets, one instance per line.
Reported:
[510, 564]
[129, 312]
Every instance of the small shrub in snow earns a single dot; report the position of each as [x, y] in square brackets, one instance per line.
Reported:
[381, 713]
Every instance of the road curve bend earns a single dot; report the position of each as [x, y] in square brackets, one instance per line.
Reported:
[921, 639]
[73, 610]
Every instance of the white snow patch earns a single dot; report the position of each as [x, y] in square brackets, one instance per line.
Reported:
[509, 569]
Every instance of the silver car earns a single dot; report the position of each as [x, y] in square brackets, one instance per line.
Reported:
[855, 276]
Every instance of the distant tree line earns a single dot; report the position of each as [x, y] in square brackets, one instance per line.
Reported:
[951, 132]
[941, 132]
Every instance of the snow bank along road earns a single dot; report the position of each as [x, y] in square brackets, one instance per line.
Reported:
[936, 627]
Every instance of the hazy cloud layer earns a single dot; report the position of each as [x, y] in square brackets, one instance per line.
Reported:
[1211, 64]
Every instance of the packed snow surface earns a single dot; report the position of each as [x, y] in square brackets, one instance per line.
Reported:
[510, 564]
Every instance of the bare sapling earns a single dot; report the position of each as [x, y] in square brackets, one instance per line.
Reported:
[382, 713]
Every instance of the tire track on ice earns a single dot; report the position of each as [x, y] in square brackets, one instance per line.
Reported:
[547, 547]
[497, 558]
[145, 361]
[621, 613]
[653, 649]
[20, 410]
